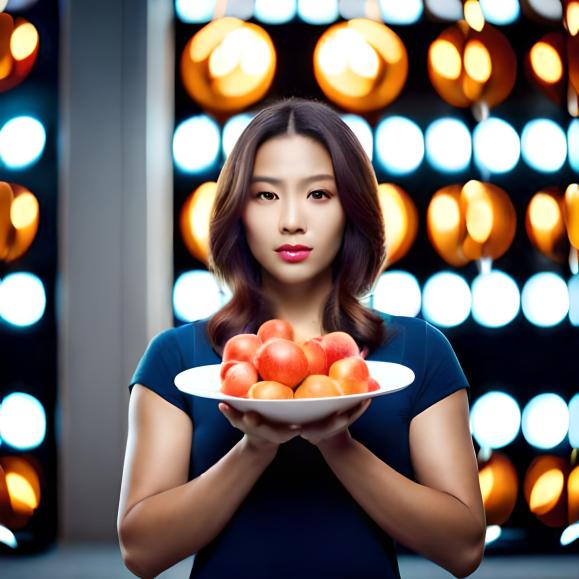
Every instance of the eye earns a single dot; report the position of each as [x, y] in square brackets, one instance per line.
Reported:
[257, 195]
[322, 192]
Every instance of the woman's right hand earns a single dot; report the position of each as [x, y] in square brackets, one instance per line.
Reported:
[260, 433]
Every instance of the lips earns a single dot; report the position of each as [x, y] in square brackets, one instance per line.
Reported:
[293, 248]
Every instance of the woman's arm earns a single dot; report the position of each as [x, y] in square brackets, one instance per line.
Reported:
[442, 515]
[162, 517]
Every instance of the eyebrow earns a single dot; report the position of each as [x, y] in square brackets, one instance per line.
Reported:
[274, 181]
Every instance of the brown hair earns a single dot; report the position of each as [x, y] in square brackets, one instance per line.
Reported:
[361, 257]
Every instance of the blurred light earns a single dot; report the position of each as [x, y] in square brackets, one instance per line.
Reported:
[546, 491]
[24, 41]
[363, 131]
[543, 145]
[473, 15]
[477, 61]
[545, 299]
[573, 285]
[194, 11]
[549, 9]
[495, 299]
[232, 131]
[445, 9]
[397, 293]
[495, 419]
[195, 218]
[574, 421]
[196, 144]
[573, 140]
[545, 421]
[492, 534]
[446, 299]
[19, 5]
[277, 12]
[496, 146]
[7, 537]
[22, 141]
[22, 495]
[570, 534]
[22, 421]
[500, 11]
[446, 59]
[546, 62]
[572, 17]
[22, 299]
[396, 12]
[318, 12]
[399, 145]
[448, 145]
[196, 295]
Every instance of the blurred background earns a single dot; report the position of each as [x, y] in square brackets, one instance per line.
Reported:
[115, 120]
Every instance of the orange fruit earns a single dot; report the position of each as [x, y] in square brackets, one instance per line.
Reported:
[270, 390]
[318, 386]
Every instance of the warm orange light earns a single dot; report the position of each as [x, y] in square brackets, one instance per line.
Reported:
[360, 64]
[471, 222]
[24, 210]
[467, 66]
[572, 18]
[18, 50]
[22, 496]
[19, 219]
[195, 219]
[499, 487]
[473, 14]
[546, 62]
[477, 61]
[400, 220]
[546, 491]
[228, 65]
[573, 494]
[552, 222]
[445, 59]
[24, 41]
[21, 482]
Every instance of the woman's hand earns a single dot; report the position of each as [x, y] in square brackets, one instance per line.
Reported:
[260, 433]
[334, 429]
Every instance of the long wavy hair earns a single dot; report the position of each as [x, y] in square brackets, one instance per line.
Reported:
[360, 259]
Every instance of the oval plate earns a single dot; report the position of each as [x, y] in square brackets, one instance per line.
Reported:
[204, 381]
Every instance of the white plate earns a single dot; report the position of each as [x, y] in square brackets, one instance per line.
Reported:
[204, 381]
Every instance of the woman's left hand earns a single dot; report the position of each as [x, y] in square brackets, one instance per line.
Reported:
[335, 427]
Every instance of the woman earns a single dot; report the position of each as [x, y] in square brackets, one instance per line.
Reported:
[263, 500]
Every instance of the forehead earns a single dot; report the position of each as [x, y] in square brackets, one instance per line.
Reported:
[289, 155]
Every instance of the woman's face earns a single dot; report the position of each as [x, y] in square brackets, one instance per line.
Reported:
[293, 199]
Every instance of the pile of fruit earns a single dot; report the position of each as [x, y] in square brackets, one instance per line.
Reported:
[270, 365]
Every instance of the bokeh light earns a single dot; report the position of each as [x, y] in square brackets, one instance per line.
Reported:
[500, 11]
[278, 12]
[232, 131]
[574, 421]
[544, 145]
[446, 299]
[22, 421]
[319, 12]
[363, 131]
[196, 144]
[399, 145]
[496, 299]
[19, 43]
[194, 221]
[197, 295]
[573, 144]
[545, 420]
[496, 146]
[397, 293]
[545, 299]
[22, 299]
[495, 419]
[499, 485]
[396, 12]
[22, 141]
[195, 11]
[7, 537]
[448, 145]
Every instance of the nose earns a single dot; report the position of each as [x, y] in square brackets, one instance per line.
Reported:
[291, 216]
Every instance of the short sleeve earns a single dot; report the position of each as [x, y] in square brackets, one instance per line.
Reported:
[158, 367]
[443, 373]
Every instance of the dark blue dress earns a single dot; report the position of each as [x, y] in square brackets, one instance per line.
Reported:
[299, 521]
